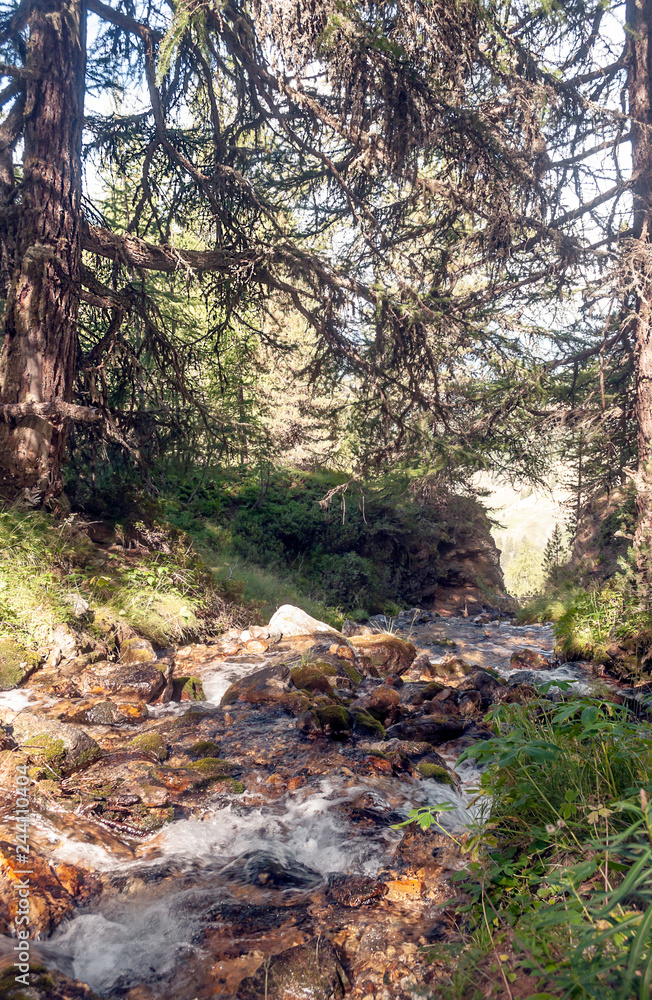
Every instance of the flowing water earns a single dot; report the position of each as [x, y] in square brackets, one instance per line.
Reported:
[170, 896]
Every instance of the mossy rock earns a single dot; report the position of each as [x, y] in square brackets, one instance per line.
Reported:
[455, 667]
[47, 752]
[436, 772]
[311, 678]
[16, 663]
[188, 688]
[326, 668]
[335, 719]
[234, 786]
[352, 673]
[215, 767]
[151, 743]
[195, 713]
[387, 652]
[366, 725]
[205, 748]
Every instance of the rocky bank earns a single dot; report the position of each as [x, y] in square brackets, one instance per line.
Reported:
[219, 820]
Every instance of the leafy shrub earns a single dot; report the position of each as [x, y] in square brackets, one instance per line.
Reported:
[559, 888]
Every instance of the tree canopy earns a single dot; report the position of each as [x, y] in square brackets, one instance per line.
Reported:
[451, 198]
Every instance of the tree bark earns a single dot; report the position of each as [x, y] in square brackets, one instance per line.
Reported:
[37, 361]
[639, 25]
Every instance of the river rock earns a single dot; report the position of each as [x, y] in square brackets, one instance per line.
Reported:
[56, 746]
[103, 712]
[290, 621]
[311, 971]
[428, 729]
[402, 889]
[485, 684]
[387, 652]
[64, 645]
[516, 694]
[271, 684]
[355, 890]
[382, 703]
[528, 659]
[54, 890]
[137, 682]
[453, 666]
[135, 650]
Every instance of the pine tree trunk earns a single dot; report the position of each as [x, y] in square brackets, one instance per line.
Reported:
[639, 20]
[37, 363]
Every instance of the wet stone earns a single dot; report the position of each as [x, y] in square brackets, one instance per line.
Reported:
[136, 650]
[53, 747]
[311, 971]
[140, 681]
[389, 653]
[54, 890]
[355, 890]
[271, 684]
[429, 729]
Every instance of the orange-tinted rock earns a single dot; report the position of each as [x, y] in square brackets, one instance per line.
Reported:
[387, 652]
[137, 682]
[401, 889]
[52, 892]
[256, 646]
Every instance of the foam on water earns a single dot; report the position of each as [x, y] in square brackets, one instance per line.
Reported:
[309, 825]
[136, 943]
[300, 839]
[216, 683]
[17, 700]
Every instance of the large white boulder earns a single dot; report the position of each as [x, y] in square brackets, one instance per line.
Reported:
[289, 621]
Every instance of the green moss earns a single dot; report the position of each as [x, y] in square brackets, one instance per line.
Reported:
[47, 749]
[311, 678]
[353, 674]
[335, 717]
[195, 712]
[205, 748]
[365, 723]
[214, 767]
[436, 772]
[326, 668]
[152, 819]
[236, 787]
[151, 743]
[45, 982]
[85, 758]
[189, 688]
[16, 663]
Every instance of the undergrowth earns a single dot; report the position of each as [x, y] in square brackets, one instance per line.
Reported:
[344, 545]
[558, 889]
[588, 623]
[51, 573]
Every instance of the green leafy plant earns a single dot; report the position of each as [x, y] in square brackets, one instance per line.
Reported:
[560, 891]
